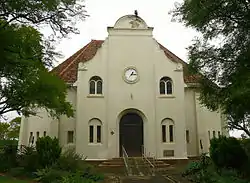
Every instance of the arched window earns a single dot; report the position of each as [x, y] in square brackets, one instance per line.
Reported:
[167, 127]
[166, 86]
[95, 85]
[95, 131]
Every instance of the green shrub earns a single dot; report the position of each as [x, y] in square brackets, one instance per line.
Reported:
[90, 174]
[8, 142]
[246, 145]
[48, 150]
[10, 152]
[229, 176]
[200, 171]
[49, 175]
[8, 157]
[70, 161]
[227, 153]
[4, 164]
[17, 172]
[28, 159]
[79, 178]
[204, 171]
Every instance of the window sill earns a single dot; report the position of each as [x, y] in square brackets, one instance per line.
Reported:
[95, 144]
[166, 96]
[95, 96]
[168, 143]
[70, 143]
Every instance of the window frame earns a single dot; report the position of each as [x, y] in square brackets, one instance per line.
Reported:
[187, 137]
[95, 131]
[37, 135]
[164, 133]
[70, 140]
[98, 89]
[169, 135]
[91, 133]
[214, 134]
[166, 81]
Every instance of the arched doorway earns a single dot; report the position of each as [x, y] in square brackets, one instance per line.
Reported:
[131, 134]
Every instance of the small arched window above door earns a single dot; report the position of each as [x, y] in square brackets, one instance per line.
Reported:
[95, 85]
[166, 86]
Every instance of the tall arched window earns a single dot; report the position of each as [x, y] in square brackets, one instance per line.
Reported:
[166, 86]
[167, 127]
[95, 131]
[95, 85]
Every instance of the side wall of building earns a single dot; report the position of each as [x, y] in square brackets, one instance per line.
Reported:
[209, 124]
[42, 124]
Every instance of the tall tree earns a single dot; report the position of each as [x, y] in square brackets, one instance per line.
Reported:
[4, 130]
[26, 56]
[221, 54]
[14, 128]
[10, 131]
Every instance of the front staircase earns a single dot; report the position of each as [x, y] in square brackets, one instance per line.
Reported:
[137, 166]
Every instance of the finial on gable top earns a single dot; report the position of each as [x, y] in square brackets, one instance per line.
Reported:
[136, 13]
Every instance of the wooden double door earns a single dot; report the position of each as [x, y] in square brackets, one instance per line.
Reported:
[131, 134]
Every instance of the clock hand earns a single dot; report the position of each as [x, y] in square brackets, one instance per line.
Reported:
[132, 73]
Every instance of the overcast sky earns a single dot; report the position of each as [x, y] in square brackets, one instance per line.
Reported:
[104, 13]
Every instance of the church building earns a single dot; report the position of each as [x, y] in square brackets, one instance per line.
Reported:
[129, 93]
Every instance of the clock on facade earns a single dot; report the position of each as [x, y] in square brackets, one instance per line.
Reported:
[131, 75]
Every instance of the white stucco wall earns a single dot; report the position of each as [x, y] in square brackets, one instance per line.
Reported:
[207, 121]
[123, 48]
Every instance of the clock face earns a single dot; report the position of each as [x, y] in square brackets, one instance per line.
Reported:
[131, 75]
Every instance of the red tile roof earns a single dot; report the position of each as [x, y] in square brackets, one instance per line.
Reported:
[67, 70]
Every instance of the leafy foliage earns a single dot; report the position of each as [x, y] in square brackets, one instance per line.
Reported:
[227, 153]
[25, 81]
[28, 159]
[77, 178]
[4, 130]
[204, 171]
[10, 131]
[13, 131]
[246, 145]
[198, 171]
[60, 15]
[48, 150]
[227, 23]
[8, 157]
[70, 167]
[48, 175]
[17, 172]
[70, 161]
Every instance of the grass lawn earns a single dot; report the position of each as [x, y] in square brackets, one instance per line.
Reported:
[4, 179]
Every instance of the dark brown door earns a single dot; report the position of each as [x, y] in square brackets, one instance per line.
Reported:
[131, 134]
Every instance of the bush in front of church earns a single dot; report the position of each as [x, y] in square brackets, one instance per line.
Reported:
[227, 152]
[48, 150]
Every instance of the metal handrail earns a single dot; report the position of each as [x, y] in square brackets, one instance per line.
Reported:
[125, 159]
[147, 160]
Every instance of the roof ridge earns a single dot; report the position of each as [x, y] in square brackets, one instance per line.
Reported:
[67, 70]
[166, 49]
[62, 72]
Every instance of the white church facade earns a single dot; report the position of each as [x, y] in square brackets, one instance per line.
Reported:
[129, 91]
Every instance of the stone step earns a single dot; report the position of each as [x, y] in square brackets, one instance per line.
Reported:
[116, 162]
[109, 165]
